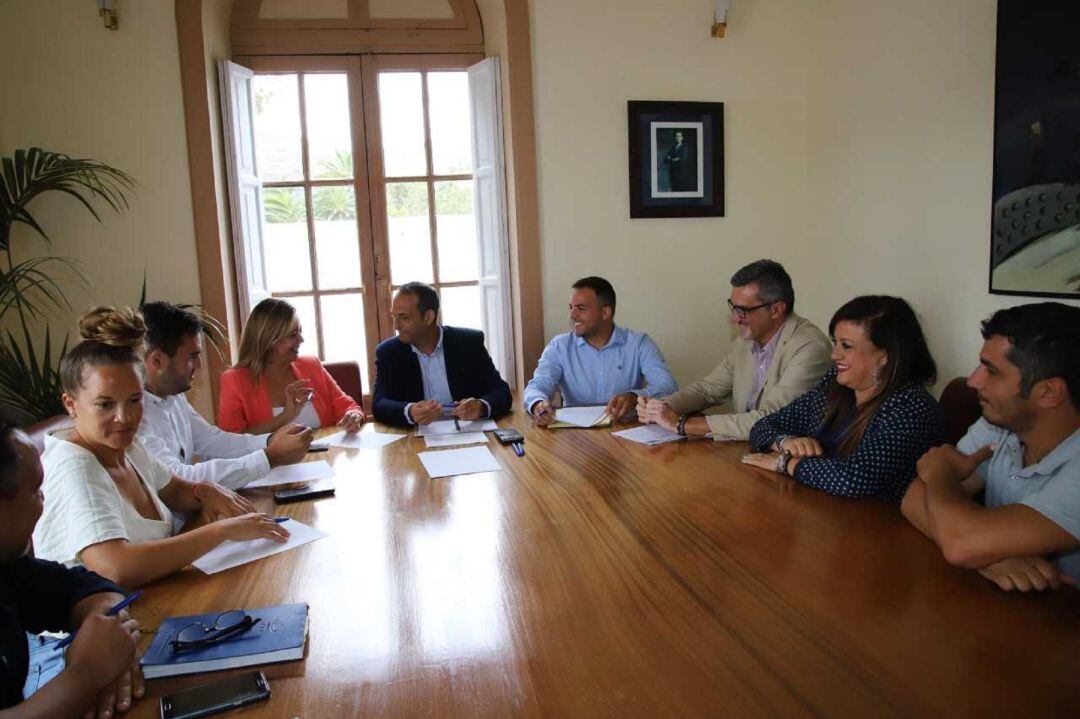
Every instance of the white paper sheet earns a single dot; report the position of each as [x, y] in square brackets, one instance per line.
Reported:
[580, 416]
[446, 426]
[362, 440]
[454, 462]
[648, 434]
[451, 440]
[289, 473]
[232, 554]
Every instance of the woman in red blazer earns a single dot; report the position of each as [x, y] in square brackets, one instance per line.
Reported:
[272, 385]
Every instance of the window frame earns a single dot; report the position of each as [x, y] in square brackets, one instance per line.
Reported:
[368, 182]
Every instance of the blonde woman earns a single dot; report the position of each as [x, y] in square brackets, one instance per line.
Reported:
[108, 502]
[272, 385]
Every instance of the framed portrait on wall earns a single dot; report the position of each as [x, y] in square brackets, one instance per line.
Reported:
[676, 154]
[1035, 225]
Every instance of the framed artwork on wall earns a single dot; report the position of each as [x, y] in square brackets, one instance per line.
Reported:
[1035, 227]
[676, 154]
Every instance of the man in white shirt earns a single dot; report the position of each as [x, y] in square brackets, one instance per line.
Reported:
[176, 434]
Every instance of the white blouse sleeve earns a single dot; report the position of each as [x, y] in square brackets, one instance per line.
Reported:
[82, 505]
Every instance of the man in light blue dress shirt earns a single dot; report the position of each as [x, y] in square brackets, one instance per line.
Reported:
[596, 363]
[1025, 451]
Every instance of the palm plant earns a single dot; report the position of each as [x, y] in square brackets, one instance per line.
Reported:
[29, 384]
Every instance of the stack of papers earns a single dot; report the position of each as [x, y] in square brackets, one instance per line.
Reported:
[649, 434]
[290, 473]
[232, 554]
[454, 462]
[581, 417]
[361, 440]
[446, 426]
[454, 439]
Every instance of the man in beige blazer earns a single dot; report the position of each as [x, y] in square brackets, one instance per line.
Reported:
[777, 356]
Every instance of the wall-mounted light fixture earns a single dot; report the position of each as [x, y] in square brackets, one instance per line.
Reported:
[719, 25]
[109, 14]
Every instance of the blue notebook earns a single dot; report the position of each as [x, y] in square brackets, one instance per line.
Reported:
[279, 636]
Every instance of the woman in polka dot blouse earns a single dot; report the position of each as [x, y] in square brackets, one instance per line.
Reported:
[862, 428]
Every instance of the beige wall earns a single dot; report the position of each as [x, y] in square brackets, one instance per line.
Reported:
[901, 99]
[115, 97]
[671, 275]
[859, 144]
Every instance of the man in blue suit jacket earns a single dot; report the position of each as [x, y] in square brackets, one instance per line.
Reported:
[428, 367]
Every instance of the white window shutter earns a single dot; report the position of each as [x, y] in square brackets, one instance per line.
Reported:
[489, 209]
[245, 189]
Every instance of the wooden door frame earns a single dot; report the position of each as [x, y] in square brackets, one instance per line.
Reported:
[217, 280]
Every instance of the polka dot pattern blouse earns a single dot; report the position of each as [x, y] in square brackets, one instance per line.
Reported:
[908, 424]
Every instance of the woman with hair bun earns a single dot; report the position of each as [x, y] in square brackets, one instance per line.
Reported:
[108, 502]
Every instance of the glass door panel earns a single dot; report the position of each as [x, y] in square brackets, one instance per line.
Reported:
[314, 250]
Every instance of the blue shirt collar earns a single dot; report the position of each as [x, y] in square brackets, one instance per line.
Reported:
[618, 337]
[438, 347]
[1067, 451]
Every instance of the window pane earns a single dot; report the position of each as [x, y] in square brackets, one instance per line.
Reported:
[288, 258]
[410, 233]
[401, 110]
[277, 128]
[455, 231]
[337, 247]
[461, 306]
[326, 102]
[305, 312]
[343, 331]
[451, 139]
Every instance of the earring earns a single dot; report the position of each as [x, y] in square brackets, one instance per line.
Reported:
[877, 375]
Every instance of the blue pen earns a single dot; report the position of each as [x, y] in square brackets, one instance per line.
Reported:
[281, 520]
[116, 609]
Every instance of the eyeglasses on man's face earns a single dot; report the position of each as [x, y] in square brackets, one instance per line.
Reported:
[228, 625]
[741, 312]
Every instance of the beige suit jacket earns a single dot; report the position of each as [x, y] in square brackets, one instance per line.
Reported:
[801, 359]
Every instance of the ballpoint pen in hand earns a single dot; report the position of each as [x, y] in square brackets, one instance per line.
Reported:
[116, 609]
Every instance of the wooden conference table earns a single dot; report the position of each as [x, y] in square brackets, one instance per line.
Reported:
[597, 577]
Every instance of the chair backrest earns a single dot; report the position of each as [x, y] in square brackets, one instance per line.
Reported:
[38, 431]
[962, 409]
[347, 375]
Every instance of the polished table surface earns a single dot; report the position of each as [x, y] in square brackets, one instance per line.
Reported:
[597, 577]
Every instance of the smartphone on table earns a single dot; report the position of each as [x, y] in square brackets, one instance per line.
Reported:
[309, 490]
[508, 436]
[222, 695]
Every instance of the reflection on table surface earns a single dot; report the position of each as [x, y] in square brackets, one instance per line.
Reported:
[596, 577]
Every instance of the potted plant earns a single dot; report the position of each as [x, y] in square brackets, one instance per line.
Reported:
[29, 384]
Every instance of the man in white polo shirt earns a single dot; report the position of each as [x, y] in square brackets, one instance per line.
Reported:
[1025, 451]
[171, 429]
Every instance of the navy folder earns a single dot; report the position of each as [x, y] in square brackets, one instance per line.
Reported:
[279, 636]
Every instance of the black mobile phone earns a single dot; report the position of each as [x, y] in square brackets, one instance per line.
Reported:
[508, 436]
[219, 696]
[312, 490]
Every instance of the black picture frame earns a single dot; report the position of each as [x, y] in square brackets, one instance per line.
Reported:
[676, 154]
[1035, 201]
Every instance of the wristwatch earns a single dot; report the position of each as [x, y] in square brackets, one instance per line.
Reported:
[782, 462]
[680, 428]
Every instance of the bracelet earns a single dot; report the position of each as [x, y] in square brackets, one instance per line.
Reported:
[782, 462]
[680, 428]
[780, 442]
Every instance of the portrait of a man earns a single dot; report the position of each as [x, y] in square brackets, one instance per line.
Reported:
[676, 157]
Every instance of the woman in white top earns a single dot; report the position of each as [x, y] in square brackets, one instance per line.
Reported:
[108, 502]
